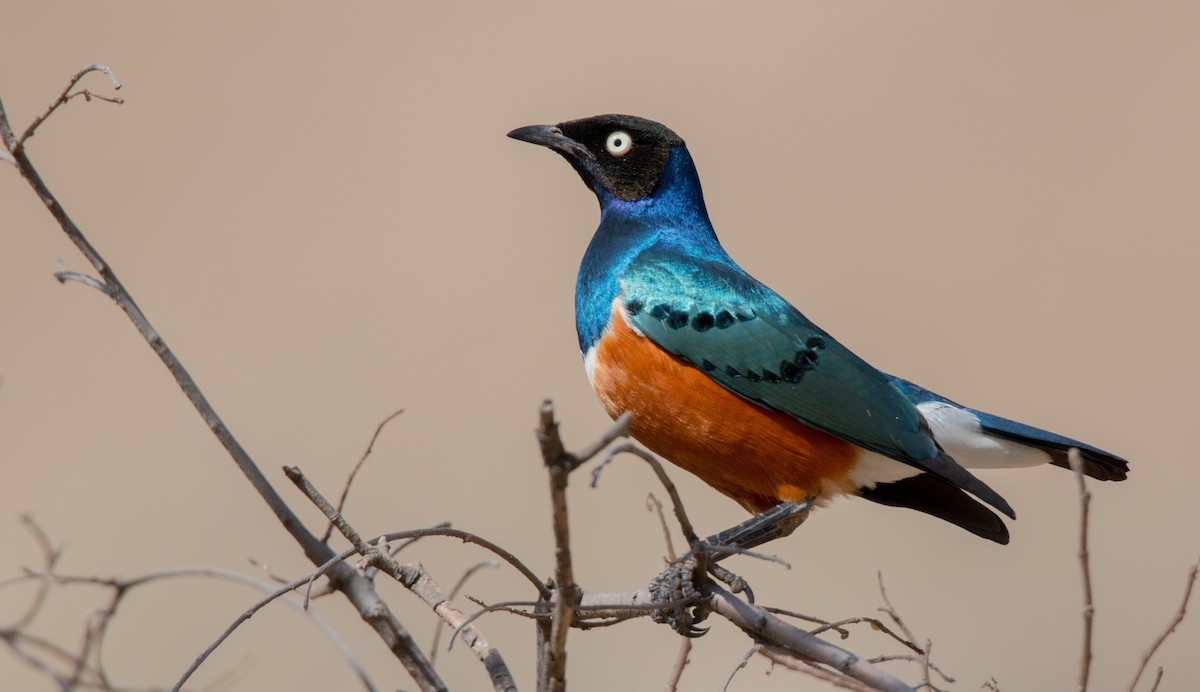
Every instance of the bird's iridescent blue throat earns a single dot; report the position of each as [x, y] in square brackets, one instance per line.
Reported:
[674, 218]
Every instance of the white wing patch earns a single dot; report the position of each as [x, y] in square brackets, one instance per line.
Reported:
[959, 433]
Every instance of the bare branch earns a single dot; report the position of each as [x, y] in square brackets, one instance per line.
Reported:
[756, 621]
[417, 580]
[769, 629]
[1085, 569]
[925, 666]
[354, 472]
[343, 577]
[97, 627]
[1175, 620]
[552, 645]
[468, 537]
[437, 631]
[14, 643]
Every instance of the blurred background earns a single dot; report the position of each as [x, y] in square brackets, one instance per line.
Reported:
[317, 207]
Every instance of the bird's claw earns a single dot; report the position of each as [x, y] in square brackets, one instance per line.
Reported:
[735, 582]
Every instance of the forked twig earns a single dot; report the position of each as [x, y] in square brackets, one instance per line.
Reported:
[66, 96]
[1175, 620]
[895, 616]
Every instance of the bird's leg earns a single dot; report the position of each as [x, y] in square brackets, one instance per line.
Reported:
[682, 579]
[777, 522]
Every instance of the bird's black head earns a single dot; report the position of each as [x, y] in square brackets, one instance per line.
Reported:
[622, 154]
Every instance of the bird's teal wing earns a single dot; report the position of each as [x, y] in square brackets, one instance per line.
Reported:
[754, 343]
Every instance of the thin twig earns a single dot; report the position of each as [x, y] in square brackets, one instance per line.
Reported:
[96, 631]
[791, 662]
[50, 556]
[741, 663]
[685, 524]
[925, 682]
[249, 612]
[506, 606]
[895, 616]
[65, 276]
[1157, 679]
[1175, 620]
[655, 506]
[619, 429]
[62, 99]
[1089, 609]
[681, 661]
[913, 659]
[14, 643]
[354, 472]
[825, 625]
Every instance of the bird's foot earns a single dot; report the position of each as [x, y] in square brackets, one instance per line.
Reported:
[677, 589]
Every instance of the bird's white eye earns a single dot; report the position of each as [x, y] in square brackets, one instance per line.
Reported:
[619, 143]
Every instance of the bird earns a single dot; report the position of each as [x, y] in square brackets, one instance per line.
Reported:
[729, 381]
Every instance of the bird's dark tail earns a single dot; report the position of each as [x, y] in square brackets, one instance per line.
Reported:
[939, 497]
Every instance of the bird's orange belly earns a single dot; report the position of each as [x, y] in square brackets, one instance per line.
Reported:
[755, 455]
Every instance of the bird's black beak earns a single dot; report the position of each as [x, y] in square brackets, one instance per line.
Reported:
[551, 137]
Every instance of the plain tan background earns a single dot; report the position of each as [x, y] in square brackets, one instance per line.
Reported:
[318, 208]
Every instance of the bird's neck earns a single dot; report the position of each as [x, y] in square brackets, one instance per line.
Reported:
[674, 216]
[677, 200]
